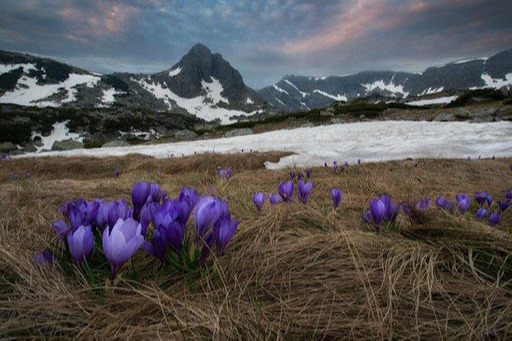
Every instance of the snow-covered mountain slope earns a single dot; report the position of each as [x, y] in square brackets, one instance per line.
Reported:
[299, 93]
[370, 141]
[201, 83]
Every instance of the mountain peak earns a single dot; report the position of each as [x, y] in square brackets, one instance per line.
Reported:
[200, 49]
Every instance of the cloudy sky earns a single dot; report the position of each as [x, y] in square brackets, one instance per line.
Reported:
[263, 39]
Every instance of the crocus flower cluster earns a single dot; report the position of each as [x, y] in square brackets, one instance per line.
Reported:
[123, 229]
[225, 173]
[382, 211]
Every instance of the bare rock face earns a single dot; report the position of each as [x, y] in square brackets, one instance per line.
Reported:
[7, 147]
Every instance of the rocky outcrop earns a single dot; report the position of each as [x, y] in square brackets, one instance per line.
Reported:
[7, 147]
[116, 143]
[67, 145]
[445, 117]
[185, 135]
[239, 132]
[491, 114]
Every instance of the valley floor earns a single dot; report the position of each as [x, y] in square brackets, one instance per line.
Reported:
[369, 141]
[297, 271]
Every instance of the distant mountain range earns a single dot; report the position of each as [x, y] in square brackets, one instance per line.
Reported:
[207, 86]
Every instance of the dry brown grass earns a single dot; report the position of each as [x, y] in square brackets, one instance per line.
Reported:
[293, 272]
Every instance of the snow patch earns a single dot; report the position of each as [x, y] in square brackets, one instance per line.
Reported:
[214, 90]
[175, 72]
[391, 87]
[280, 90]
[28, 92]
[277, 99]
[431, 91]
[370, 141]
[4, 68]
[462, 61]
[496, 82]
[304, 94]
[249, 101]
[60, 132]
[197, 106]
[336, 98]
[440, 100]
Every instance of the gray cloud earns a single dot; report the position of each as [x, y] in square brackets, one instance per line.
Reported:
[264, 39]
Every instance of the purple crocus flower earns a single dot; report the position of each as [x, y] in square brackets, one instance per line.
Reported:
[325, 165]
[62, 230]
[423, 205]
[367, 217]
[300, 176]
[117, 172]
[508, 194]
[494, 157]
[188, 194]
[118, 210]
[481, 213]
[285, 190]
[229, 172]
[359, 161]
[308, 173]
[463, 202]
[443, 203]
[140, 194]
[336, 196]
[504, 205]
[76, 217]
[292, 174]
[156, 194]
[494, 219]
[208, 210]
[406, 209]
[171, 228]
[81, 243]
[223, 231]
[335, 165]
[481, 197]
[510, 166]
[121, 242]
[147, 214]
[393, 212]
[275, 199]
[304, 190]
[259, 199]
[156, 247]
[468, 158]
[44, 257]
[346, 164]
[377, 212]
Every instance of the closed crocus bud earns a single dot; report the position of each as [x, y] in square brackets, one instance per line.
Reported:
[259, 199]
[377, 212]
[140, 194]
[229, 172]
[76, 217]
[336, 197]
[367, 217]
[118, 210]
[223, 231]
[358, 161]
[510, 166]
[275, 199]
[468, 158]
[300, 176]
[117, 172]
[504, 205]
[206, 214]
[481, 213]
[304, 190]
[346, 164]
[308, 173]
[292, 174]
[463, 202]
[508, 194]
[81, 243]
[494, 219]
[285, 190]
[494, 157]
[393, 212]
[481, 198]
[102, 216]
[325, 165]
[489, 199]
[121, 242]
[406, 209]
[222, 173]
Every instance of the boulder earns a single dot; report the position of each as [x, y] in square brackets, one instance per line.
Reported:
[7, 147]
[116, 143]
[67, 145]
[38, 141]
[29, 147]
[462, 113]
[337, 121]
[326, 113]
[185, 134]
[239, 132]
[363, 118]
[491, 114]
[444, 117]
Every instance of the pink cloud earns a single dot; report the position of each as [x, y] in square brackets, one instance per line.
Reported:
[103, 19]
